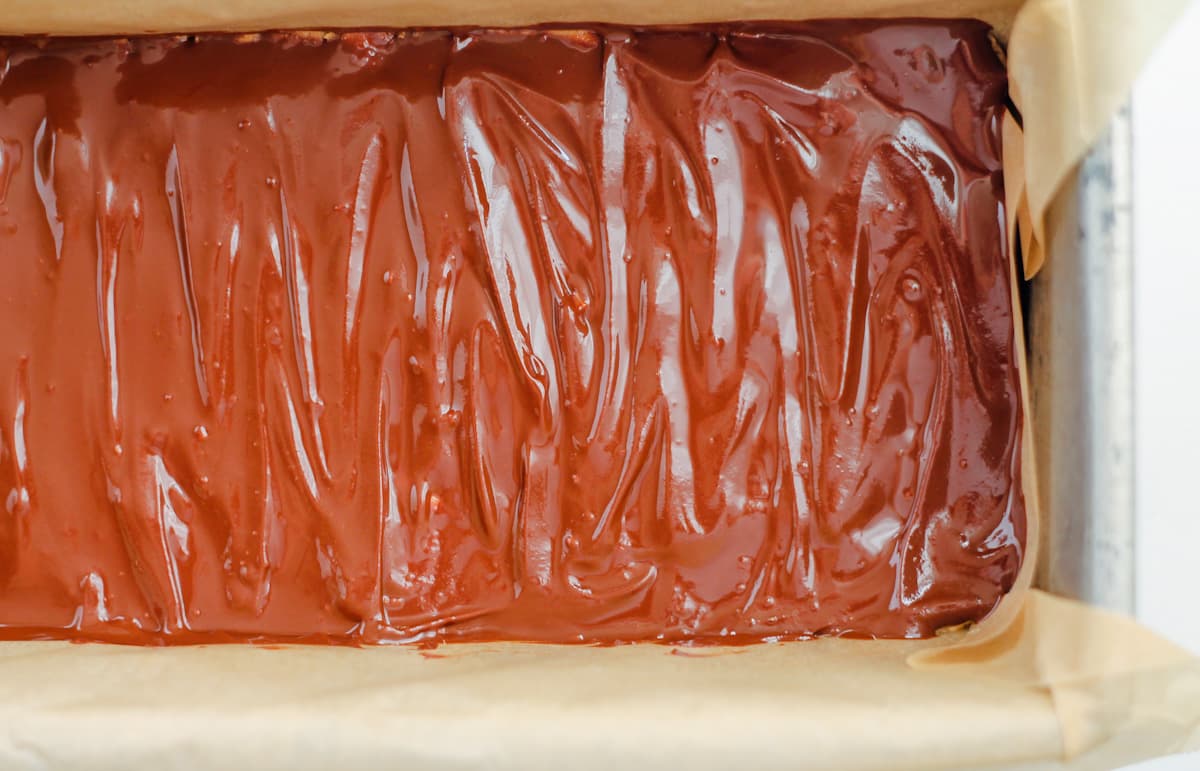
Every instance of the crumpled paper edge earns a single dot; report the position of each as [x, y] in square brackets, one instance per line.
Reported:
[828, 703]
[1071, 65]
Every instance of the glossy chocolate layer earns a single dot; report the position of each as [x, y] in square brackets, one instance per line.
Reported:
[539, 335]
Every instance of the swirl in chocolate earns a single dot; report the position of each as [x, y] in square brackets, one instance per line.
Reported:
[560, 335]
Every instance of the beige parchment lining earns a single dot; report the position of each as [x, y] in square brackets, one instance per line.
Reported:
[1043, 683]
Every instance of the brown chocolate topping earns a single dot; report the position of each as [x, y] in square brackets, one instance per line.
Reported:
[543, 335]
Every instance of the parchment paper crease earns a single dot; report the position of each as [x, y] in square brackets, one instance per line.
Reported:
[1044, 683]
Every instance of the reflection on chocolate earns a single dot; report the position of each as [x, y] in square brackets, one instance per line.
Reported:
[541, 335]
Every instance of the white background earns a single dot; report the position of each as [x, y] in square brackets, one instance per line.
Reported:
[1166, 115]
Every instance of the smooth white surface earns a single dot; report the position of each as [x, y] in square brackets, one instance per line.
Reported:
[1166, 130]
[1166, 114]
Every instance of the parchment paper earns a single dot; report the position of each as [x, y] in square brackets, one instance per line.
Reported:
[1043, 683]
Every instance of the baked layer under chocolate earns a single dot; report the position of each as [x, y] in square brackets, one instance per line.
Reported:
[540, 335]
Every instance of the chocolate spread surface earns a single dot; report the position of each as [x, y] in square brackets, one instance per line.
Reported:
[561, 335]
